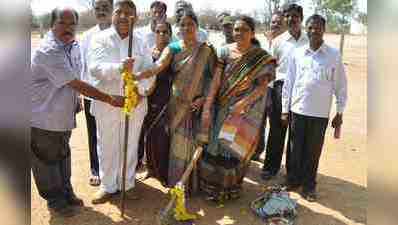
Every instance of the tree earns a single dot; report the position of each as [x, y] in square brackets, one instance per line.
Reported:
[362, 17]
[338, 13]
[270, 7]
[88, 4]
[208, 18]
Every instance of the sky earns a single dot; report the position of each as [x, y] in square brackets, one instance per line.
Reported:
[44, 6]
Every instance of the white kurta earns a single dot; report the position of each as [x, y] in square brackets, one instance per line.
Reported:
[104, 61]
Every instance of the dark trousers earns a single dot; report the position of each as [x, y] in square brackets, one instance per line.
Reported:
[92, 138]
[277, 133]
[51, 166]
[307, 135]
[267, 110]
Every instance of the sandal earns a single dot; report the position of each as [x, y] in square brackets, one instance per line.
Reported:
[95, 181]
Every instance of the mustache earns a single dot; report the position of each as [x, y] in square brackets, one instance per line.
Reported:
[68, 33]
[123, 21]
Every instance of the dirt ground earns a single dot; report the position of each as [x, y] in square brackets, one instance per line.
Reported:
[342, 175]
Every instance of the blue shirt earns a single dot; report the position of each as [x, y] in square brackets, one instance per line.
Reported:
[53, 65]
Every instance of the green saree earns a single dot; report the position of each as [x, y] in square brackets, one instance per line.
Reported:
[239, 91]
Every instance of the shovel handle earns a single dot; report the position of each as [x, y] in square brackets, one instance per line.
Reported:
[185, 176]
[188, 170]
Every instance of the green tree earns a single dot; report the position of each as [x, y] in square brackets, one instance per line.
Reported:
[270, 7]
[362, 17]
[338, 14]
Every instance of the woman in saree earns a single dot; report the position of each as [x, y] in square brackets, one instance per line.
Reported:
[154, 140]
[233, 112]
[192, 64]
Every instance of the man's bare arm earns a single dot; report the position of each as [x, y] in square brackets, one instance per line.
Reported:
[90, 91]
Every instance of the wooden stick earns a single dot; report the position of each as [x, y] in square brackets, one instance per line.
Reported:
[126, 126]
[182, 181]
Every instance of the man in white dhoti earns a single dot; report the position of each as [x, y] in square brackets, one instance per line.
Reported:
[107, 57]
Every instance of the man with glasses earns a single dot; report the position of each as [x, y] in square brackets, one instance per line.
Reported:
[55, 68]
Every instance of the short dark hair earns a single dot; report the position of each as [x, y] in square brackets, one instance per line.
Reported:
[294, 7]
[159, 4]
[128, 2]
[168, 25]
[316, 17]
[57, 12]
[93, 2]
[277, 12]
[190, 14]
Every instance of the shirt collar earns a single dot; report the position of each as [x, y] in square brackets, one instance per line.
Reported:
[116, 34]
[322, 48]
[58, 42]
[290, 37]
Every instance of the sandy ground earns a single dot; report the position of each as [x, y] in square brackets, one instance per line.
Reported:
[342, 174]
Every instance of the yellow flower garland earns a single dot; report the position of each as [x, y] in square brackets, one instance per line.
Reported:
[180, 212]
[130, 92]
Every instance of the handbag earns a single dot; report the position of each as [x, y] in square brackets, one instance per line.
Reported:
[275, 206]
[240, 133]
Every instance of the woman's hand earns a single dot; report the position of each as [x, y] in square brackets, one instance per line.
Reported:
[144, 75]
[197, 104]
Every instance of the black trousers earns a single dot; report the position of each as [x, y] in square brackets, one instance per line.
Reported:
[277, 133]
[307, 135]
[267, 110]
[51, 166]
[92, 138]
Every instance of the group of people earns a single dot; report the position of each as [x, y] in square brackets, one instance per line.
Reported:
[191, 94]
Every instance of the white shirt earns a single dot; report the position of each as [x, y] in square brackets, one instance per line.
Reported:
[282, 48]
[84, 44]
[312, 80]
[148, 36]
[105, 54]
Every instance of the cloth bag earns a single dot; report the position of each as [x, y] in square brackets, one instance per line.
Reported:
[240, 132]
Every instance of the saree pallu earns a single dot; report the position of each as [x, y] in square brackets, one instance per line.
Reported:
[192, 76]
[242, 96]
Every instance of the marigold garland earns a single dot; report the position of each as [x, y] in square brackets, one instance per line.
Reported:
[180, 212]
[130, 92]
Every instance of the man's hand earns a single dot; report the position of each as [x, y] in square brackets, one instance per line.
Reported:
[116, 101]
[285, 119]
[128, 64]
[156, 54]
[337, 120]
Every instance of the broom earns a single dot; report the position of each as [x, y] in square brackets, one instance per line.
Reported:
[166, 216]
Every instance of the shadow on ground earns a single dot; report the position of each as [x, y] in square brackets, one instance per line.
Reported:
[336, 197]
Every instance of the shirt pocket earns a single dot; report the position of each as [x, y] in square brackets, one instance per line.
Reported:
[323, 74]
